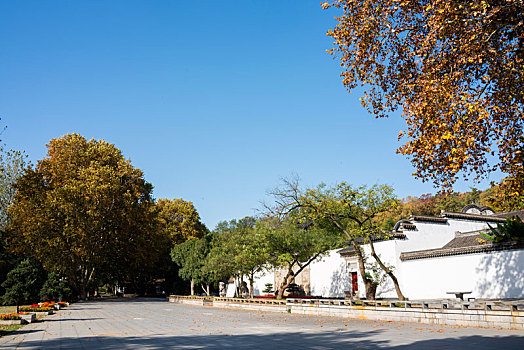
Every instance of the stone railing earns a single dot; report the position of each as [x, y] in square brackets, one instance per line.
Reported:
[416, 304]
[259, 301]
[498, 314]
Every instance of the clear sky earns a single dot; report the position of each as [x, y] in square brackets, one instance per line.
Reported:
[214, 100]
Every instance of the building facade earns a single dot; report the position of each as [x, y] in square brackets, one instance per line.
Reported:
[432, 257]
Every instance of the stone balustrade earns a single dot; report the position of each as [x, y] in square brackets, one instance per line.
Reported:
[491, 314]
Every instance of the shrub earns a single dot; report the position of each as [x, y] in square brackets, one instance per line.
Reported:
[34, 309]
[12, 316]
[55, 288]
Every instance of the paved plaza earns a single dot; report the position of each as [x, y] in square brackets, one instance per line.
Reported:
[157, 324]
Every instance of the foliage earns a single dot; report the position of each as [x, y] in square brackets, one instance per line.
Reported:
[358, 213]
[191, 257]
[456, 70]
[268, 288]
[55, 288]
[23, 283]
[86, 213]
[512, 230]
[13, 316]
[239, 249]
[12, 164]
[180, 220]
[294, 247]
[375, 273]
[508, 195]
[36, 308]
[295, 290]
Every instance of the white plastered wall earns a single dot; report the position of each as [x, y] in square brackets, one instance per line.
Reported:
[486, 275]
[261, 278]
[329, 276]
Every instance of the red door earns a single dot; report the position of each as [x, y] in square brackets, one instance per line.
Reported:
[354, 282]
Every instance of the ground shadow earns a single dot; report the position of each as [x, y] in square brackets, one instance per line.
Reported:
[325, 340]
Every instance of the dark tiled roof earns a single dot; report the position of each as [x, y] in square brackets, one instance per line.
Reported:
[463, 244]
[519, 213]
[351, 251]
[404, 224]
[436, 219]
[474, 217]
[347, 251]
[466, 240]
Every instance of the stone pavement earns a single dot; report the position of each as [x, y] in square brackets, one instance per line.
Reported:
[157, 324]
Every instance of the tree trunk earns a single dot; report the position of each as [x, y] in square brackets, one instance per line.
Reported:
[251, 285]
[368, 284]
[292, 274]
[192, 286]
[288, 279]
[237, 286]
[207, 290]
[370, 287]
[83, 292]
[387, 271]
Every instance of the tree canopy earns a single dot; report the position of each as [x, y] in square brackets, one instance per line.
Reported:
[239, 249]
[180, 220]
[355, 212]
[191, 256]
[456, 70]
[85, 212]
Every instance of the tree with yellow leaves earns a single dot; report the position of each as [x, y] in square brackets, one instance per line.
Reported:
[455, 68]
[85, 212]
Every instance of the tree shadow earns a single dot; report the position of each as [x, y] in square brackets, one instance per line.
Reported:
[476, 342]
[285, 340]
[326, 340]
[339, 281]
[68, 319]
[501, 275]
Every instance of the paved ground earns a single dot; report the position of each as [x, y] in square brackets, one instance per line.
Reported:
[157, 324]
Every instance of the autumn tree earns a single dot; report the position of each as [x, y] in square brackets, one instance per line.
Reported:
[353, 211]
[455, 68]
[85, 212]
[179, 220]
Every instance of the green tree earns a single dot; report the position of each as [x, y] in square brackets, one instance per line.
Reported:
[511, 230]
[23, 283]
[455, 68]
[85, 212]
[191, 256]
[12, 164]
[55, 288]
[353, 211]
[293, 247]
[239, 250]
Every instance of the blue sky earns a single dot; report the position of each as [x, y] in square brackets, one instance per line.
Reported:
[214, 100]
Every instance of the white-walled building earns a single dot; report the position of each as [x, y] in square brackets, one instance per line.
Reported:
[431, 257]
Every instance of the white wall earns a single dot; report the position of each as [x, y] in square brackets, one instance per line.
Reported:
[431, 235]
[389, 254]
[261, 279]
[486, 275]
[329, 276]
